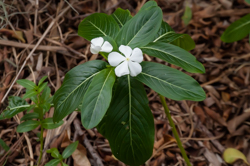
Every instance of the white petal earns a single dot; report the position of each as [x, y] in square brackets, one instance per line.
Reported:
[106, 47]
[137, 55]
[94, 49]
[97, 41]
[115, 58]
[134, 68]
[122, 69]
[126, 50]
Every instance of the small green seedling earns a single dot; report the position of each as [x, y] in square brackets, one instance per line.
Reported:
[34, 116]
[58, 158]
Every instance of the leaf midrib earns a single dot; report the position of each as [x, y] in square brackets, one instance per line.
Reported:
[171, 55]
[100, 92]
[166, 82]
[248, 22]
[97, 28]
[140, 29]
[77, 88]
[163, 36]
[118, 19]
[130, 118]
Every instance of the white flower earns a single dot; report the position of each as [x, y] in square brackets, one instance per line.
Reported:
[98, 45]
[128, 64]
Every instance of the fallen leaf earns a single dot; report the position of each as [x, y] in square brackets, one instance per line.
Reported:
[15, 34]
[230, 155]
[80, 156]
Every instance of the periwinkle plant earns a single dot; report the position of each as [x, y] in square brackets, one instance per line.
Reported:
[112, 95]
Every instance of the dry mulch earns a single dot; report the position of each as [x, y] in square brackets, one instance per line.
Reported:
[206, 128]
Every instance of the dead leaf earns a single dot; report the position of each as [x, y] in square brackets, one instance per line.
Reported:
[230, 155]
[80, 156]
[215, 116]
[15, 34]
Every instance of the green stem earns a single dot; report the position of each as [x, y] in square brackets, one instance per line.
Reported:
[41, 147]
[184, 155]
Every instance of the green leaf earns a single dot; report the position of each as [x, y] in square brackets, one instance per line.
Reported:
[121, 16]
[42, 79]
[187, 16]
[49, 124]
[184, 41]
[64, 164]
[164, 32]
[75, 84]
[98, 25]
[4, 145]
[27, 126]
[54, 153]
[129, 123]
[170, 82]
[53, 162]
[29, 94]
[141, 29]
[42, 86]
[46, 94]
[237, 30]
[174, 55]
[97, 98]
[230, 155]
[69, 150]
[27, 83]
[247, 1]
[148, 5]
[16, 105]
[30, 116]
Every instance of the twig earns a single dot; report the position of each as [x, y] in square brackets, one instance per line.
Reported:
[33, 50]
[36, 14]
[92, 151]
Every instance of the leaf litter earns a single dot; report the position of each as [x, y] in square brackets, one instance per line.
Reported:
[206, 128]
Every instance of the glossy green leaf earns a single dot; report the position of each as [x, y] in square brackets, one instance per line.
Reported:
[170, 82]
[30, 116]
[237, 30]
[148, 5]
[166, 34]
[54, 153]
[174, 55]
[141, 29]
[27, 126]
[48, 123]
[98, 25]
[129, 123]
[29, 94]
[69, 150]
[16, 105]
[121, 16]
[42, 79]
[187, 16]
[163, 33]
[75, 84]
[53, 162]
[26, 83]
[184, 41]
[97, 98]
[4, 145]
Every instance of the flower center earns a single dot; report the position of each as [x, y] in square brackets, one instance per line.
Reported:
[127, 59]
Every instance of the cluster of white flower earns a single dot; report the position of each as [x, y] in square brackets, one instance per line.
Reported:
[128, 63]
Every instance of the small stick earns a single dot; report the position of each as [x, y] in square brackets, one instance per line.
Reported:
[92, 151]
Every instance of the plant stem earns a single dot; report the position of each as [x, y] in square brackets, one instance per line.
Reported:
[41, 147]
[184, 155]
